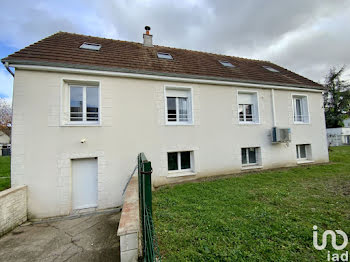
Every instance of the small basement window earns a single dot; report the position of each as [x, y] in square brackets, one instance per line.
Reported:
[180, 161]
[303, 152]
[226, 63]
[250, 156]
[164, 56]
[271, 69]
[90, 46]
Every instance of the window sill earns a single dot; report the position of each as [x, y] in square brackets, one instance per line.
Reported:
[179, 124]
[81, 124]
[181, 174]
[249, 123]
[300, 162]
[301, 123]
[248, 167]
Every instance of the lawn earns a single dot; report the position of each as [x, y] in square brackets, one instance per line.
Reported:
[265, 216]
[5, 172]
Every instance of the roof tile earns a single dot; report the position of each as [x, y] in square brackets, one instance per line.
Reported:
[63, 48]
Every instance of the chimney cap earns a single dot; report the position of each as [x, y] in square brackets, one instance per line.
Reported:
[147, 28]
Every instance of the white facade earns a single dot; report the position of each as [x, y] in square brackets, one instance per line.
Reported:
[338, 136]
[346, 122]
[4, 141]
[133, 118]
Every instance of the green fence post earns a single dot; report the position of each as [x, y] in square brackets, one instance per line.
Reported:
[147, 172]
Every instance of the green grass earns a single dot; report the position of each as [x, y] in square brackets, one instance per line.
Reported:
[265, 216]
[5, 172]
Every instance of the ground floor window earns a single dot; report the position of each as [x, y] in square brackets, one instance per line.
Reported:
[249, 156]
[347, 139]
[180, 161]
[303, 152]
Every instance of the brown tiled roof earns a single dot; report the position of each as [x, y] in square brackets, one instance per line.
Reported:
[62, 49]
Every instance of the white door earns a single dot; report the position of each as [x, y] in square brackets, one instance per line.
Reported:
[84, 180]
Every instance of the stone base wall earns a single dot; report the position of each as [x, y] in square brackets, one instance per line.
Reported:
[129, 229]
[13, 208]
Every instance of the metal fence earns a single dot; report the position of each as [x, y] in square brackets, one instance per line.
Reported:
[150, 248]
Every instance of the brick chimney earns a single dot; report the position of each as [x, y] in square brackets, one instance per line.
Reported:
[147, 38]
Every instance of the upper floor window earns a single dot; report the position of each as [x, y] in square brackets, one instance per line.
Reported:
[84, 104]
[300, 107]
[248, 111]
[179, 106]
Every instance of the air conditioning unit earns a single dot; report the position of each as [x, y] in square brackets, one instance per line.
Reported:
[281, 135]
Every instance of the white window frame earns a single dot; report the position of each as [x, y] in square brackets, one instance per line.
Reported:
[255, 108]
[307, 157]
[188, 89]
[179, 170]
[90, 46]
[257, 157]
[65, 101]
[226, 63]
[347, 139]
[166, 56]
[304, 99]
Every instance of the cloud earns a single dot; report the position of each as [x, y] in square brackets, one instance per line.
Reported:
[284, 32]
[307, 37]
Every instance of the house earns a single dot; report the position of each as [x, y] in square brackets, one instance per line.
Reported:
[84, 107]
[339, 136]
[4, 143]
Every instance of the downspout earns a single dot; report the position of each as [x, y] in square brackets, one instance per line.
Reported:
[6, 64]
[273, 107]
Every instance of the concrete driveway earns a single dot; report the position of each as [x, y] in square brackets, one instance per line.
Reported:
[87, 237]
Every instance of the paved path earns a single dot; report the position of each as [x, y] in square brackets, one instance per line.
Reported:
[86, 238]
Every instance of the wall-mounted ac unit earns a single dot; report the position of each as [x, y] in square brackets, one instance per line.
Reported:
[281, 135]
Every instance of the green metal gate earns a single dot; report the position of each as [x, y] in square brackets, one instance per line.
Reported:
[150, 248]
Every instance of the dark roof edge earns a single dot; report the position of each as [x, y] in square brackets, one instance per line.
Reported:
[126, 70]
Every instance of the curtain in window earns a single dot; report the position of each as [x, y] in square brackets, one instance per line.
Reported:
[298, 110]
[302, 151]
[183, 108]
[244, 156]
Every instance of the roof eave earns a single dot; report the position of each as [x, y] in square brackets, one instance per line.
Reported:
[14, 62]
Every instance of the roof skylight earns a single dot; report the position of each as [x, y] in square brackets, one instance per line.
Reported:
[91, 46]
[226, 63]
[164, 56]
[271, 69]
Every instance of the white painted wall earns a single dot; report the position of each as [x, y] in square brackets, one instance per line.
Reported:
[337, 136]
[133, 121]
[4, 139]
[347, 122]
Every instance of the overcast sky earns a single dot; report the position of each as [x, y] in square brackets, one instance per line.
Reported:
[305, 36]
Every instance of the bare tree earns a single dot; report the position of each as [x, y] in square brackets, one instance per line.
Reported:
[5, 116]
